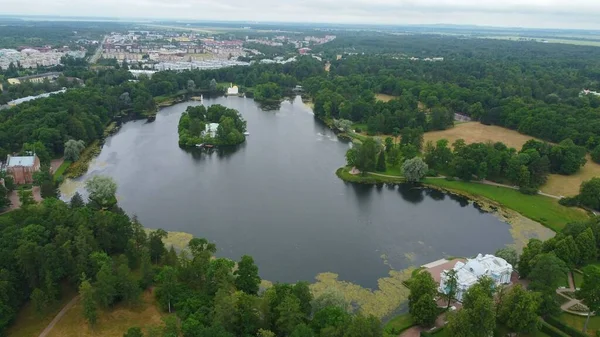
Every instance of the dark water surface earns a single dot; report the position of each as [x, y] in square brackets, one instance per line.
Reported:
[277, 198]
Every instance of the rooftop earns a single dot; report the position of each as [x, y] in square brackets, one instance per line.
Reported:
[21, 161]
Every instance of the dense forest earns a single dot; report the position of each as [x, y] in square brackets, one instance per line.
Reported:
[111, 94]
[95, 247]
[193, 122]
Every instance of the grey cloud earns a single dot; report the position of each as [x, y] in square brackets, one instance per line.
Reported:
[529, 13]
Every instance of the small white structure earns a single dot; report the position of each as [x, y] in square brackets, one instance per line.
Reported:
[469, 273]
[211, 129]
[232, 90]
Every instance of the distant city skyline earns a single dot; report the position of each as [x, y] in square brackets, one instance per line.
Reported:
[574, 14]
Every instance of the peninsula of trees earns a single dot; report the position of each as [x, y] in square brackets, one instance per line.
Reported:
[216, 125]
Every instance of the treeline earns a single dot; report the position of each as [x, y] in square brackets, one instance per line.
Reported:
[539, 97]
[528, 168]
[109, 94]
[12, 92]
[111, 259]
[193, 123]
[46, 245]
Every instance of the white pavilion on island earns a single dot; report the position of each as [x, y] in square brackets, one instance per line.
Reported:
[469, 272]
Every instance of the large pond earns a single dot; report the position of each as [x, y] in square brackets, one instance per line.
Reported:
[277, 198]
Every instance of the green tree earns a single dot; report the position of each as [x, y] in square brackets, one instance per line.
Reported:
[366, 156]
[478, 304]
[302, 292]
[459, 324]
[331, 297]
[518, 310]
[247, 279]
[40, 300]
[102, 190]
[25, 197]
[351, 157]
[73, 149]
[590, 291]
[88, 302]
[394, 156]
[105, 286]
[596, 154]
[567, 250]
[171, 328]
[381, 162]
[451, 287]
[526, 261]
[157, 246]
[425, 310]
[224, 312]
[589, 193]
[127, 286]
[247, 318]
[76, 201]
[331, 321]
[166, 286]
[302, 330]
[509, 254]
[362, 326]
[586, 245]
[389, 144]
[265, 333]
[290, 314]
[547, 274]
[4, 200]
[414, 169]
[134, 332]
[422, 289]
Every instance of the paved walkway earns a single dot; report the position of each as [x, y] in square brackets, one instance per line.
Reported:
[59, 316]
[571, 301]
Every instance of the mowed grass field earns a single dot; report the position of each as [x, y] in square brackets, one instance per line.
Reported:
[113, 322]
[474, 132]
[544, 210]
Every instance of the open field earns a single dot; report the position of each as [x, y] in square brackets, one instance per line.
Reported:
[544, 210]
[30, 324]
[384, 97]
[114, 322]
[474, 132]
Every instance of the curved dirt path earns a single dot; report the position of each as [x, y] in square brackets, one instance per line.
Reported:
[59, 316]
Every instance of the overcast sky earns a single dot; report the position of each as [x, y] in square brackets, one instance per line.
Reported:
[515, 13]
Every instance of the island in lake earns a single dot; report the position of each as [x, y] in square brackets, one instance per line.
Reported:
[217, 125]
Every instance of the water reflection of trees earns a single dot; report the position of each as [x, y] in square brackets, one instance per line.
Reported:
[435, 194]
[462, 201]
[411, 193]
[224, 152]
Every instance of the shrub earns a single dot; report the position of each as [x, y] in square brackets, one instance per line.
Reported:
[569, 201]
[528, 190]
[570, 331]
[358, 130]
[551, 331]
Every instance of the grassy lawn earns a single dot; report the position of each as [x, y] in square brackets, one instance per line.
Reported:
[578, 322]
[31, 324]
[578, 277]
[113, 322]
[61, 169]
[344, 174]
[398, 324]
[393, 170]
[544, 210]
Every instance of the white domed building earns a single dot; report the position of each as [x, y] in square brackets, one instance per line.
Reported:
[469, 272]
